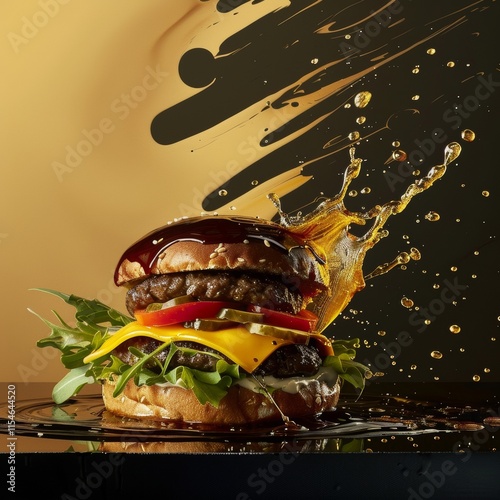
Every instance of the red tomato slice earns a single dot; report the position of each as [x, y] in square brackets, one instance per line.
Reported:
[180, 313]
[304, 321]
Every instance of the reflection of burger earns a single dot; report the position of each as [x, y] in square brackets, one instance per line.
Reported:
[221, 332]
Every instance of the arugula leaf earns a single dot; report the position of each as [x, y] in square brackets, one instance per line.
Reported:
[91, 312]
[94, 324]
[343, 363]
[133, 371]
[71, 384]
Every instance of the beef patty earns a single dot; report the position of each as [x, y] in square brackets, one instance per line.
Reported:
[287, 361]
[246, 288]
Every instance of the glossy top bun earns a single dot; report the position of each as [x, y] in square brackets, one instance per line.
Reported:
[224, 243]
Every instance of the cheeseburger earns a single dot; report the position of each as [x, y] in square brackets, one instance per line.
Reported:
[219, 330]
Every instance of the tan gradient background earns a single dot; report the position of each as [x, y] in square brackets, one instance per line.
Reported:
[68, 68]
[82, 179]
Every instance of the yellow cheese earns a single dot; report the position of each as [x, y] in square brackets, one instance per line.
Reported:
[244, 348]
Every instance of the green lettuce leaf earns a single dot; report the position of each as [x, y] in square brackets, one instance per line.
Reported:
[343, 363]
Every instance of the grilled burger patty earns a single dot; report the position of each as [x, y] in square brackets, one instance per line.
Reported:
[287, 361]
[242, 287]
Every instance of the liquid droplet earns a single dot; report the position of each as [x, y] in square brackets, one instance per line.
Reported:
[452, 152]
[485, 194]
[399, 155]
[406, 302]
[415, 253]
[455, 329]
[450, 64]
[360, 120]
[362, 99]
[436, 354]
[354, 136]
[468, 135]
[222, 192]
[476, 378]
[432, 216]
[431, 51]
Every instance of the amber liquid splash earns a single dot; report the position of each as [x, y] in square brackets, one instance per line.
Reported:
[326, 230]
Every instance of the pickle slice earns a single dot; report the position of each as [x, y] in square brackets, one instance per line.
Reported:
[295, 336]
[156, 306]
[240, 316]
[210, 325]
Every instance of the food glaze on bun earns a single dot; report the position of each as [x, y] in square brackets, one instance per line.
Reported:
[219, 243]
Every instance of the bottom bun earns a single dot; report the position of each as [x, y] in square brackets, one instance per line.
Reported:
[239, 406]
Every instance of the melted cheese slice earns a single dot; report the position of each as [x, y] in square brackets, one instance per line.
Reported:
[244, 348]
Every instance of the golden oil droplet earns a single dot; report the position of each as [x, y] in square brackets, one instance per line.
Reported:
[462, 349]
[362, 99]
[415, 253]
[406, 302]
[399, 155]
[381, 333]
[487, 370]
[431, 52]
[468, 135]
[415, 70]
[315, 60]
[353, 193]
[396, 144]
[485, 194]
[436, 354]
[476, 378]
[366, 190]
[427, 322]
[413, 367]
[255, 183]
[347, 37]
[347, 105]
[354, 136]
[415, 97]
[360, 120]
[432, 216]
[436, 286]
[222, 192]
[450, 64]
[493, 339]
[454, 269]
[455, 329]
